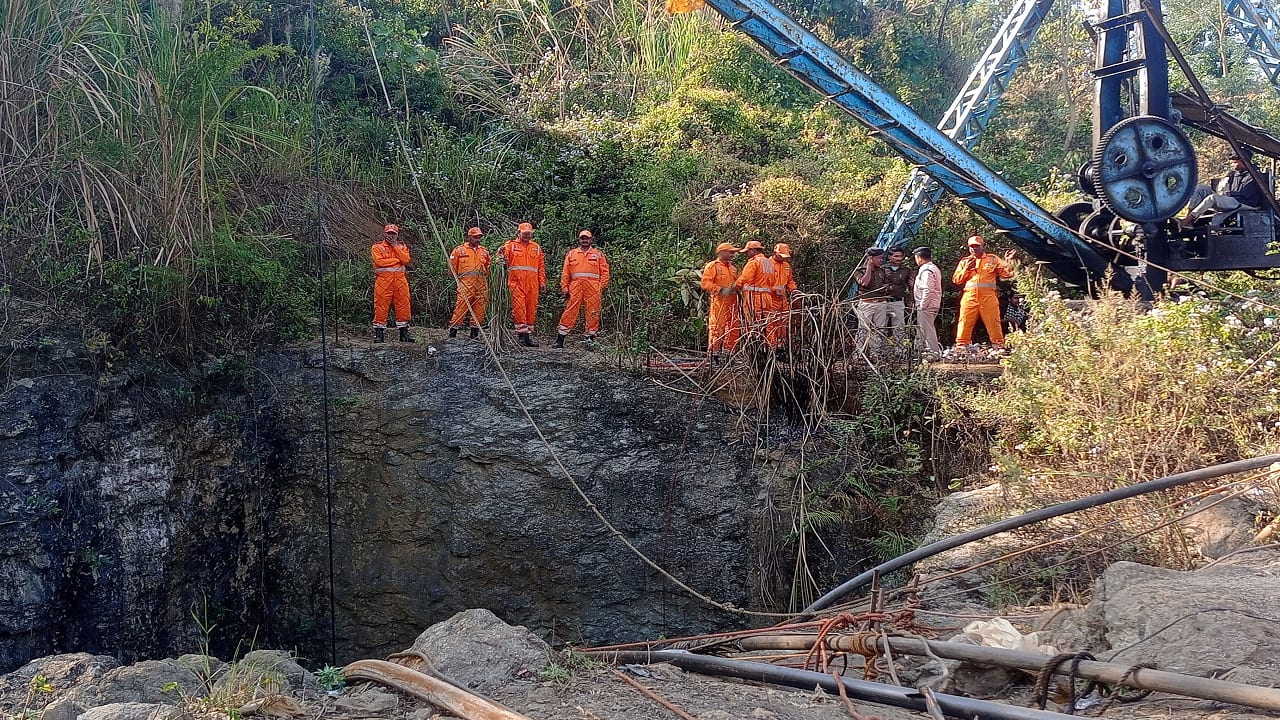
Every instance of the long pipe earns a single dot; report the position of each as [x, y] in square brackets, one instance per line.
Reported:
[1052, 511]
[455, 700]
[1107, 672]
[952, 705]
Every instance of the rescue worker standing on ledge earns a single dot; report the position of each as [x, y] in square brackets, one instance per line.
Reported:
[470, 262]
[978, 274]
[526, 277]
[757, 285]
[390, 284]
[586, 273]
[718, 277]
[785, 290]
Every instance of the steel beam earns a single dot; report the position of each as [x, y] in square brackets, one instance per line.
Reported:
[811, 61]
[1259, 23]
[968, 116]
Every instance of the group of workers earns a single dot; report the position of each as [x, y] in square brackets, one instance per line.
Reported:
[765, 287]
[757, 299]
[582, 282]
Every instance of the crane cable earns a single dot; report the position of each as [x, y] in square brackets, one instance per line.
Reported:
[322, 270]
[506, 378]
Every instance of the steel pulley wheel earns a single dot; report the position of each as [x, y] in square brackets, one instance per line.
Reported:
[1144, 169]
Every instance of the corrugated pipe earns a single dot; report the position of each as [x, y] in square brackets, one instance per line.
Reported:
[952, 705]
[1053, 511]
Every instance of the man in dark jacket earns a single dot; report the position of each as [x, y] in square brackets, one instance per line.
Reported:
[1236, 190]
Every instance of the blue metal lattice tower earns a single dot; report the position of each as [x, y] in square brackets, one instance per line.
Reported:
[968, 116]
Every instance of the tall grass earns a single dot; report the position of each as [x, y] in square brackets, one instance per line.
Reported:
[125, 126]
[606, 55]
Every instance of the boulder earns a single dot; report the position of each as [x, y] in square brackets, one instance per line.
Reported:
[164, 682]
[478, 650]
[62, 674]
[267, 672]
[207, 667]
[131, 711]
[1214, 621]
[370, 703]
[1220, 526]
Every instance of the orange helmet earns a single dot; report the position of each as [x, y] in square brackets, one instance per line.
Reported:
[753, 245]
[391, 228]
[726, 246]
[525, 227]
[474, 232]
[782, 250]
[975, 240]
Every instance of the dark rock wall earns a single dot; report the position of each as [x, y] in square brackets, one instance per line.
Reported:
[147, 510]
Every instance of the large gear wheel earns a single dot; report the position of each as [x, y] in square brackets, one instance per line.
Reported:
[1145, 169]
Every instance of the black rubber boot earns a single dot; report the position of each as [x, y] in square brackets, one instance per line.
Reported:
[379, 335]
[404, 335]
[559, 341]
[475, 333]
[453, 332]
[527, 341]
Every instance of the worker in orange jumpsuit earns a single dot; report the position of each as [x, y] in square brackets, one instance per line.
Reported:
[718, 277]
[390, 284]
[585, 275]
[780, 324]
[758, 285]
[978, 274]
[526, 277]
[470, 262]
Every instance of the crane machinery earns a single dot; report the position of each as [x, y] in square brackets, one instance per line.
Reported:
[1143, 167]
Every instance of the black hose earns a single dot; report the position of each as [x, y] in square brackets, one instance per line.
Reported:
[1052, 511]
[952, 705]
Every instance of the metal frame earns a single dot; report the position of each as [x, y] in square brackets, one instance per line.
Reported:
[819, 66]
[1257, 22]
[968, 116]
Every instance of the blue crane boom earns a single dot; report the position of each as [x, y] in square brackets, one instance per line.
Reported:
[968, 116]
[820, 67]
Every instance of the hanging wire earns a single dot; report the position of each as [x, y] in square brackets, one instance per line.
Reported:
[322, 271]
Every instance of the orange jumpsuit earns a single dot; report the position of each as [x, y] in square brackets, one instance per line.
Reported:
[780, 324]
[722, 319]
[390, 284]
[526, 275]
[471, 265]
[586, 273]
[980, 298]
[761, 302]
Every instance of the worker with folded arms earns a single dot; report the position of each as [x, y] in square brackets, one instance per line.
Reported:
[582, 282]
[780, 324]
[718, 277]
[978, 273]
[470, 262]
[526, 277]
[390, 284]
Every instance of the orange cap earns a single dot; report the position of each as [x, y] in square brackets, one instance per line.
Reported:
[474, 232]
[585, 233]
[975, 240]
[726, 246]
[753, 245]
[782, 250]
[391, 228]
[525, 227]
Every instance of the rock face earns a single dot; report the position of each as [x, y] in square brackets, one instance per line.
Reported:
[148, 512]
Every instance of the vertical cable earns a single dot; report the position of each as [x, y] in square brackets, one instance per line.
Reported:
[324, 322]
